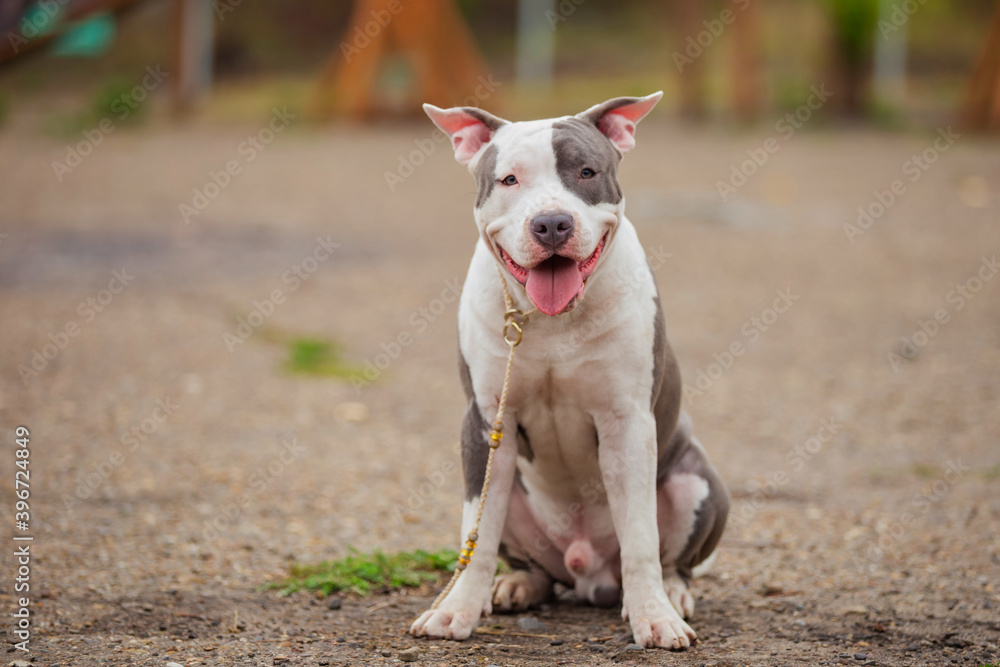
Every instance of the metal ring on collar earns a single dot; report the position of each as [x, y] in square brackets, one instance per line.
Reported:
[513, 342]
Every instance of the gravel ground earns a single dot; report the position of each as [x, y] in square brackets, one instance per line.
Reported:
[175, 471]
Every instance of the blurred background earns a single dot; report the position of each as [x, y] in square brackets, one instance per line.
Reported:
[230, 251]
[892, 63]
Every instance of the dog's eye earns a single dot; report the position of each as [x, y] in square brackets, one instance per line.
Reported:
[510, 180]
[587, 173]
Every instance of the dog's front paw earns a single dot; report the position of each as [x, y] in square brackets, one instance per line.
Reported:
[447, 622]
[655, 623]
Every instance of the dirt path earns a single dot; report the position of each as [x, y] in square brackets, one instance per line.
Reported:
[880, 537]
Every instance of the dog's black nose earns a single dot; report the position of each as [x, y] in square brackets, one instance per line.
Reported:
[553, 229]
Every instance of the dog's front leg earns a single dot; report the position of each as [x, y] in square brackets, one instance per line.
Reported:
[459, 613]
[627, 455]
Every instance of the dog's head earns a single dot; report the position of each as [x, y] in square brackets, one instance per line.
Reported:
[549, 199]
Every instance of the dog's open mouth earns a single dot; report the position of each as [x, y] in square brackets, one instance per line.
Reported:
[553, 283]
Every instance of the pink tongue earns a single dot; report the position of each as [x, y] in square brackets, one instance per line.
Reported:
[553, 284]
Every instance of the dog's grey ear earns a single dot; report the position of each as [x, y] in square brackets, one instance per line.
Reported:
[468, 128]
[617, 118]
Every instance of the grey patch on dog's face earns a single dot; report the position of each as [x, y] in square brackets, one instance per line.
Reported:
[486, 174]
[524, 444]
[578, 145]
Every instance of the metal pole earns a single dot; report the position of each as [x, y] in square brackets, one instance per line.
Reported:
[890, 55]
[535, 42]
[193, 46]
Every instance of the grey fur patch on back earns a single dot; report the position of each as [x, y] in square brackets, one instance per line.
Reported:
[486, 174]
[666, 396]
[679, 452]
[578, 144]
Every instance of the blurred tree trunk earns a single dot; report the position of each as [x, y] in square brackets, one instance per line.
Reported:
[689, 15]
[981, 108]
[193, 39]
[853, 26]
[745, 67]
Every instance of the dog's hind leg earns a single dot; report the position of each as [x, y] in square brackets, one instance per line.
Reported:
[528, 584]
[692, 506]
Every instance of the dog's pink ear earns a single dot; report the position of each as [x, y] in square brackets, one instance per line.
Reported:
[468, 128]
[617, 118]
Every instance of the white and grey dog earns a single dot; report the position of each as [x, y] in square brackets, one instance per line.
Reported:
[603, 488]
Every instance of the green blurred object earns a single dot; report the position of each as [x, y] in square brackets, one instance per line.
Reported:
[90, 38]
[108, 103]
[854, 25]
[359, 572]
[44, 21]
[312, 356]
[854, 28]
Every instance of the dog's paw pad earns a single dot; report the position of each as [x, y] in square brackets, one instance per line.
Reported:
[669, 633]
[445, 624]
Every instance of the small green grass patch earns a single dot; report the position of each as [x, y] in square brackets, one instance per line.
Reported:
[363, 573]
[314, 356]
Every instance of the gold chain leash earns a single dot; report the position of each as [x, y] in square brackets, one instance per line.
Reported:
[513, 323]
